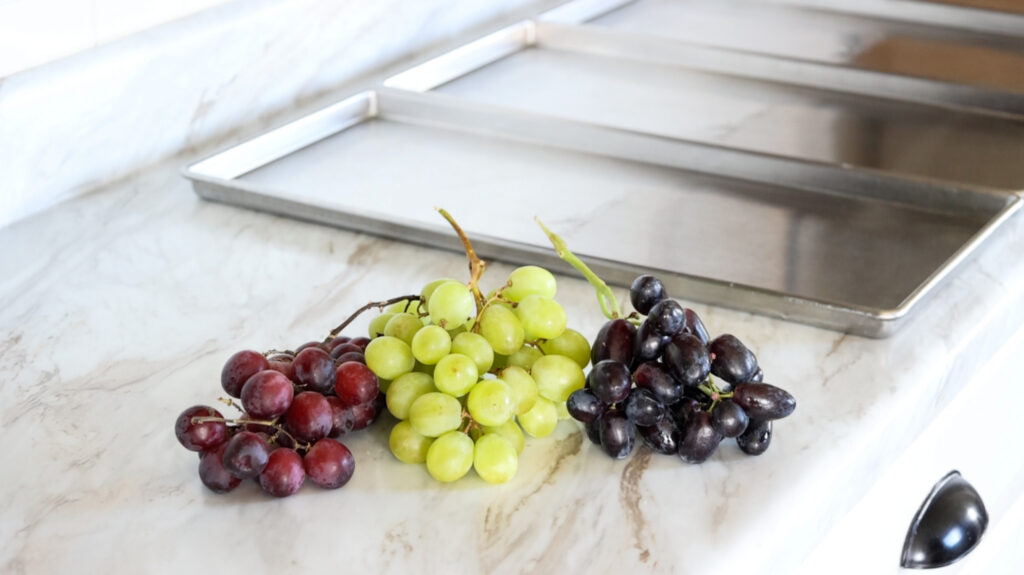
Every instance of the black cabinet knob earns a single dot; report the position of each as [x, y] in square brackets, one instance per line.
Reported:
[948, 525]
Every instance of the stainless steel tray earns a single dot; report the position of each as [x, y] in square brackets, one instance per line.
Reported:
[939, 132]
[854, 250]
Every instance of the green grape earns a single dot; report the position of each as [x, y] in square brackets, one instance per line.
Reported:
[407, 445]
[424, 368]
[490, 402]
[541, 420]
[501, 329]
[407, 389]
[403, 326]
[452, 333]
[474, 346]
[524, 357]
[542, 318]
[557, 376]
[571, 344]
[389, 357]
[524, 389]
[510, 431]
[377, 324]
[495, 459]
[451, 305]
[434, 413]
[450, 456]
[428, 289]
[404, 306]
[563, 410]
[430, 344]
[530, 280]
[455, 374]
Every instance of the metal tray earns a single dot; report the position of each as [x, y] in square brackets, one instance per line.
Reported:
[727, 98]
[844, 249]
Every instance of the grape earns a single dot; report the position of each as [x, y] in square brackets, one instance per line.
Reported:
[525, 357]
[511, 431]
[610, 381]
[343, 420]
[585, 406]
[403, 326]
[282, 364]
[434, 413]
[593, 431]
[758, 376]
[335, 342]
[342, 349]
[764, 401]
[246, 454]
[666, 317]
[356, 383]
[212, 472]
[558, 376]
[687, 359]
[490, 402]
[495, 459]
[529, 280]
[430, 344]
[450, 456]
[541, 420]
[502, 329]
[542, 318]
[355, 356]
[653, 377]
[646, 291]
[700, 438]
[407, 389]
[308, 344]
[733, 362]
[455, 374]
[474, 346]
[694, 326]
[284, 473]
[389, 357]
[239, 368]
[363, 415]
[756, 439]
[362, 342]
[309, 417]
[523, 387]
[615, 341]
[407, 445]
[378, 323]
[562, 410]
[451, 304]
[684, 410]
[649, 344]
[571, 344]
[267, 395]
[642, 408]
[329, 464]
[405, 306]
[428, 290]
[729, 418]
[200, 436]
[314, 368]
[617, 434]
[663, 436]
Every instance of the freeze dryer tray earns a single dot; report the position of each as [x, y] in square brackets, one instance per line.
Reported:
[852, 250]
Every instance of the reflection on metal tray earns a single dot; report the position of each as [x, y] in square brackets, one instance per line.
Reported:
[846, 249]
[568, 71]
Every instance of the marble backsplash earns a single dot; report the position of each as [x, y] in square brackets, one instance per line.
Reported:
[73, 125]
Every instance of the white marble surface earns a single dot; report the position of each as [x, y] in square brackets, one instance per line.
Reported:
[117, 310]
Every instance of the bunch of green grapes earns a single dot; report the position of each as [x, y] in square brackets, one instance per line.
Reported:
[466, 375]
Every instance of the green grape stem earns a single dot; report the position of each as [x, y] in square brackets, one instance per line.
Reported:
[373, 304]
[476, 265]
[605, 297]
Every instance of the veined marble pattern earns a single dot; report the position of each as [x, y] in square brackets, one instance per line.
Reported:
[118, 309]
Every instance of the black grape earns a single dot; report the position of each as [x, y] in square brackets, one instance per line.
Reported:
[617, 434]
[687, 359]
[729, 418]
[733, 362]
[615, 341]
[764, 401]
[756, 439]
[667, 317]
[646, 291]
[584, 406]
[700, 438]
[610, 381]
[642, 408]
[649, 344]
[694, 326]
[593, 431]
[663, 436]
[652, 376]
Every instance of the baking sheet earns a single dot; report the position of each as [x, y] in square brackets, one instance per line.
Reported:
[843, 249]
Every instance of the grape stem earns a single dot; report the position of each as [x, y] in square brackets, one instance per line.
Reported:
[230, 403]
[476, 265]
[605, 297]
[711, 390]
[373, 304]
[278, 430]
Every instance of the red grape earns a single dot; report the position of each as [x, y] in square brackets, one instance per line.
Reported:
[284, 473]
[363, 415]
[356, 356]
[239, 368]
[212, 472]
[362, 342]
[314, 368]
[200, 436]
[341, 339]
[344, 348]
[267, 395]
[329, 464]
[343, 419]
[246, 454]
[356, 384]
[282, 363]
[309, 416]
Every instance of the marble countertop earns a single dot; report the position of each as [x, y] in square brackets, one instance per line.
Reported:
[120, 307]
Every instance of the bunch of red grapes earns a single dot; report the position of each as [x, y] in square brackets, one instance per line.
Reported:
[656, 380]
[293, 404]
